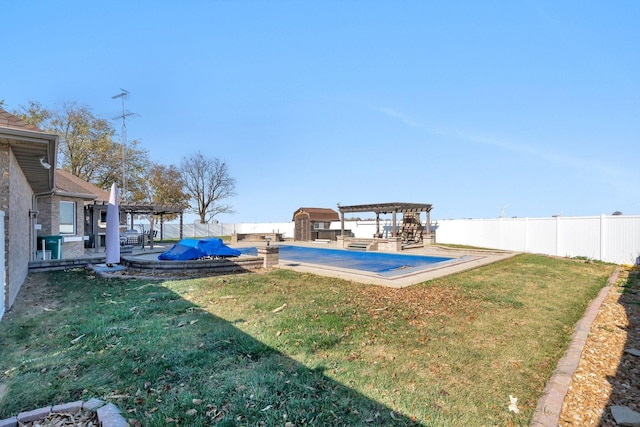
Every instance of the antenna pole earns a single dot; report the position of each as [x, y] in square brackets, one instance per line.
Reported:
[123, 140]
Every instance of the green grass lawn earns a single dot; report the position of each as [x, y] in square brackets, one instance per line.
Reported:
[286, 347]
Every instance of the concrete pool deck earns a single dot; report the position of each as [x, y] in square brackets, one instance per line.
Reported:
[466, 259]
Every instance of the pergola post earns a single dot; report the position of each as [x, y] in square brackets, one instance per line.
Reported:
[393, 219]
[150, 231]
[342, 223]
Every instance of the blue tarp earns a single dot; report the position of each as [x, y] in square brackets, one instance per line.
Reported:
[188, 249]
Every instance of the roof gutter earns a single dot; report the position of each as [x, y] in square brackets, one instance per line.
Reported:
[85, 196]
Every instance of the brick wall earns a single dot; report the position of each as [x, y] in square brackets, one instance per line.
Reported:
[4, 206]
[18, 227]
[49, 217]
[44, 215]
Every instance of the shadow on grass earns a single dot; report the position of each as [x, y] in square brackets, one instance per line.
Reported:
[161, 359]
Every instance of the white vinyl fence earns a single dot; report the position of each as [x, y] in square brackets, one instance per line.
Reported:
[360, 229]
[610, 238]
[172, 231]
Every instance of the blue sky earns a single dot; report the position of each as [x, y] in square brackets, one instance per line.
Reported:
[533, 106]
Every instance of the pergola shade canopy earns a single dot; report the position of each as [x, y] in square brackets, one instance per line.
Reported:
[386, 208]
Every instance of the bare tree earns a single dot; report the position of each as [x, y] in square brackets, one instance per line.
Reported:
[207, 182]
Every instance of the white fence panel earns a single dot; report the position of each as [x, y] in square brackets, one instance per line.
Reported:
[542, 235]
[364, 229]
[579, 236]
[621, 239]
[451, 232]
[513, 235]
[608, 238]
[286, 228]
[491, 232]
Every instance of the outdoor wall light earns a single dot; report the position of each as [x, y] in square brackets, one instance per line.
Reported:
[44, 163]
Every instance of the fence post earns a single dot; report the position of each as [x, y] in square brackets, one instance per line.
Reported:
[558, 235]
[602, 237]
[526, 234]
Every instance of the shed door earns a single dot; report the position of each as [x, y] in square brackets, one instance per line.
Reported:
[302, 228]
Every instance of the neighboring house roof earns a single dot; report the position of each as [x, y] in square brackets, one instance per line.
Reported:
[33, 149]
[318, 214]
[70, 185]
[8, 120]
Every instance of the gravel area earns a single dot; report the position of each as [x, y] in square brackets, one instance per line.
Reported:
[607, 374]
[82, 419]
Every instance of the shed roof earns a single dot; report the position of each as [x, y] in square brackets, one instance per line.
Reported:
[318, 214]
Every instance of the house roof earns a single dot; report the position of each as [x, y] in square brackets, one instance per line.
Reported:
[8, 120]
[71, 185]
[318, 214]
[33, 148]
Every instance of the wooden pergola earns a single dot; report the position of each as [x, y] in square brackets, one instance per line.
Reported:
[387, 208]
[134, 209]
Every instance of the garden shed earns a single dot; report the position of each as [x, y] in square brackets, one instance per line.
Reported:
[315, 223]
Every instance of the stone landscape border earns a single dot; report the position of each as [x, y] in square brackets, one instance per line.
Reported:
[547, 413]
[108, 414]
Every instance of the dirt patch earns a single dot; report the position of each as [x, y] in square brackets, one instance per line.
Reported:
[36, 295]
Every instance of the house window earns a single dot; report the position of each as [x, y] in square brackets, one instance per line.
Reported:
[318, 225]
[67, 217]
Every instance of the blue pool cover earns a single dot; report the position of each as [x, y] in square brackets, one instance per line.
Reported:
[385, 264]
[188, 249]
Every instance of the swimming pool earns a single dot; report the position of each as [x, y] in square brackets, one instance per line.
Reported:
[383, 264]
